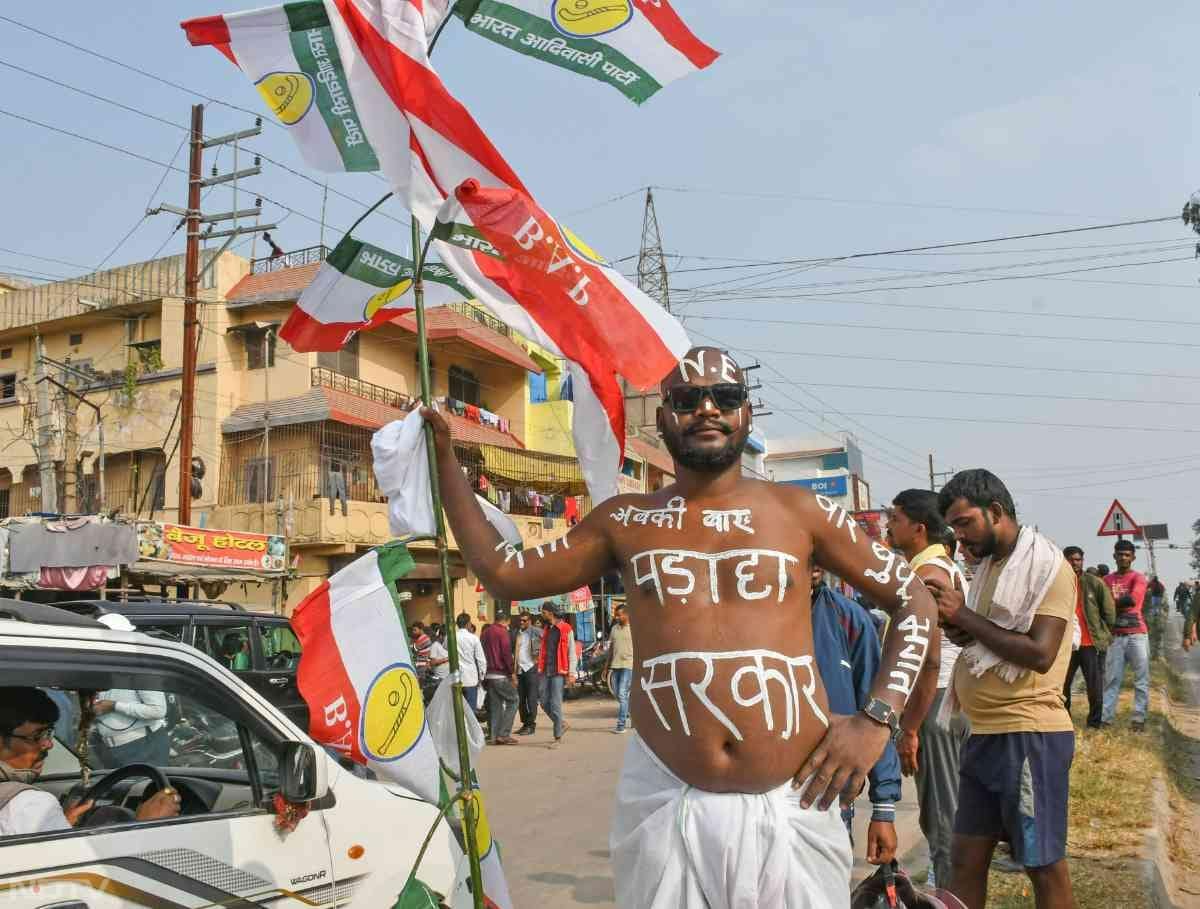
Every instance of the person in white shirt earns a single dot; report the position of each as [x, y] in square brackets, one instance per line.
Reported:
[529, 680]
[439, 656]
[472, 664]
[133, 726]
[27, 718]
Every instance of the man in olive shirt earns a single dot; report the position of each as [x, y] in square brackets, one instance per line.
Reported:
[1016, 638]
[620, 665]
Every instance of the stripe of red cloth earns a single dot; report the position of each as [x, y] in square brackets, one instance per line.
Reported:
[418, 92]
[676, 33]
[322, 678]
[212, 30]
[544, 277]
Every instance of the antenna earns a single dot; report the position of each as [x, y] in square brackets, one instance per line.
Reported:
[652, 269]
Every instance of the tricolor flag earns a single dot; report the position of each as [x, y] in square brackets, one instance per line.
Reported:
[357, 674]
[636, 46]
[544, 281]
[361, 286]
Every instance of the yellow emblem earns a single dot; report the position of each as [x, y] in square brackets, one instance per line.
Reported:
[580, 247]
[384, 297]
[483, 830]
[289, 95]
[588, 18]
[393, 715]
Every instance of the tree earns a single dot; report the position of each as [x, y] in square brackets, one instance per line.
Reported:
[1196, 546]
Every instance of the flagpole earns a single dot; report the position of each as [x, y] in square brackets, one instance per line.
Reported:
[460, 723]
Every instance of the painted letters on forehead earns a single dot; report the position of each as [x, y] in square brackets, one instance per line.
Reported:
[711, 364]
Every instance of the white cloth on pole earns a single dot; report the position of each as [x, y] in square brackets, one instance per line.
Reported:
[677, 847]
[401, 462]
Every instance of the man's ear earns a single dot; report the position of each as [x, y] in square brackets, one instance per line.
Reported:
[996, 512]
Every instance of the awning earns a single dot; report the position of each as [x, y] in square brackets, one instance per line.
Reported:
[546, 472]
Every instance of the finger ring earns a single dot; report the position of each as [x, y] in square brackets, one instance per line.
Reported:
[169, 790]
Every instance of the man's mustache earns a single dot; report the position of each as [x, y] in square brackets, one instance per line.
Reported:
[705, 427]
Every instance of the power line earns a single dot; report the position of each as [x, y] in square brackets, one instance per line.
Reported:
[994, 420]
[946, 331]
[1139, 478]
[1070, 370]
[165, 121]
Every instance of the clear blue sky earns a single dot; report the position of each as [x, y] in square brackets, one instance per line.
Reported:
[822, 131]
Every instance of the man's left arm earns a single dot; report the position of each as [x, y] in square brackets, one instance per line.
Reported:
[1108, 607]
[852, 745]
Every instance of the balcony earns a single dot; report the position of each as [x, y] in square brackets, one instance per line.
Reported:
[323, 377]
[310, 255]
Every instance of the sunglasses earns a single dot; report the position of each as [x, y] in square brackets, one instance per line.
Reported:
[45, 735]
[724, 395]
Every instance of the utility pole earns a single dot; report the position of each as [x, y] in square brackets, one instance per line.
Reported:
[70, 498]
[932, 484]
[49, 500]
[193, 274]
[191, 288]
[939, 476]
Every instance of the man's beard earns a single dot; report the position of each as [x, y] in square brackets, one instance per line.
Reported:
[988, 546]
[705, 460]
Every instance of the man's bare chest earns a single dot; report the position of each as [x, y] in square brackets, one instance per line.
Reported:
[694, 554]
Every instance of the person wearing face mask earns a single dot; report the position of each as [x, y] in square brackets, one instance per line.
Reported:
[27, 718]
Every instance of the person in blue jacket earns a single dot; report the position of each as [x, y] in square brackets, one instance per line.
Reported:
[847, 648]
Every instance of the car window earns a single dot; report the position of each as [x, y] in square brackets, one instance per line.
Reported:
[164, 629]
[228, 643]
[280, 646]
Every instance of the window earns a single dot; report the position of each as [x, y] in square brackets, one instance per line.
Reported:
[157, 488]
[344, 361]
[150, 355]
[260, 480]
[227, 643]
[537, 387]
[75, 339]
[256, 341]
[163, 629]
[8, 386]
[6, 353]
[463, 385]
[280, 646]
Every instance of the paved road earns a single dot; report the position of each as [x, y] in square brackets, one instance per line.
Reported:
[550, 809]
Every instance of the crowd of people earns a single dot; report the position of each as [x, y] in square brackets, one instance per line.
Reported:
[961, 681]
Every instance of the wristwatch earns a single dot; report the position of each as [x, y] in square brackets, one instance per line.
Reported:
[884, 714]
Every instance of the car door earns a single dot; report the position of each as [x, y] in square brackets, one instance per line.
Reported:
[276, 660]
[223, 849]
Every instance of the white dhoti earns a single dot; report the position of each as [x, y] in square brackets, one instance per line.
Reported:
[677, 847]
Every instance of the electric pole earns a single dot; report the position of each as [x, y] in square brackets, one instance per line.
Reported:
[939, 476]
[652, 267]
[193, 274]
[49, 499]
[191, 288]
[70, 497]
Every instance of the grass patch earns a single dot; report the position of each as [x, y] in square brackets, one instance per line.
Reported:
[1111, 807]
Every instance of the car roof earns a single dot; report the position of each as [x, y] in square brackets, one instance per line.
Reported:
[165, 608]
[41, 614]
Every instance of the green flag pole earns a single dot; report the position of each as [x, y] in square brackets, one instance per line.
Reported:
[460, 724]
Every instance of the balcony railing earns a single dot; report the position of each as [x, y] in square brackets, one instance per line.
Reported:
[323, 377]
[483, 317]
[308, 256]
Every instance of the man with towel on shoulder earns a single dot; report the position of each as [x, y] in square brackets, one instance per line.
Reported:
[1014, 628]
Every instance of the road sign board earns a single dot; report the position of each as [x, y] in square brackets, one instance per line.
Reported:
[1117, 522]
[1154, 532]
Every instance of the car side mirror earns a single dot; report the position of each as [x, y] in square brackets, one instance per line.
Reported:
[303, 773]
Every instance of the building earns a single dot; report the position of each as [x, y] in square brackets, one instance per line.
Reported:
[281, 438]
[823, 466]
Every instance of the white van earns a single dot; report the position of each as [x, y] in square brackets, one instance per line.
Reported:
[229, 752]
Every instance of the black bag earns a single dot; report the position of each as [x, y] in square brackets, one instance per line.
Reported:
[890, 887]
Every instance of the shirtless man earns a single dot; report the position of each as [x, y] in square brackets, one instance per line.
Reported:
[730, 712]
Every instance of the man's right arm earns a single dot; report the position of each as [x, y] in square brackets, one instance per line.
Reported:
[576, 559]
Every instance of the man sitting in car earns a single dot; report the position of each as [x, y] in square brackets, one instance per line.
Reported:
[27, 718]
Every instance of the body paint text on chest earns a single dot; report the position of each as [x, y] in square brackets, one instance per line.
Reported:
[722, 520]
[669, 516]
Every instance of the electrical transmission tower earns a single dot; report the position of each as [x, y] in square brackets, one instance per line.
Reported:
[652, 268]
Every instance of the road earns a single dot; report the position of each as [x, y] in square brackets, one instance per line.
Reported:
[550, 810]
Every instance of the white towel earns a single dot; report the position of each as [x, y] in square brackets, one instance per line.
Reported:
[677, 847]
[401, 462]
[1023, 584]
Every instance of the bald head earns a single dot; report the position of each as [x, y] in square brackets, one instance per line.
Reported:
[704, 366]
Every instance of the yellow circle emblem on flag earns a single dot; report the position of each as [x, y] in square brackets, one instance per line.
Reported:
[289, 95]
[588, 18]
[384, 297]
[483, 830]
[580, 247]
[393, 715]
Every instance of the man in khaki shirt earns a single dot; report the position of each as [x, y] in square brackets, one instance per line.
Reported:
[1015, 767]
[620, 665]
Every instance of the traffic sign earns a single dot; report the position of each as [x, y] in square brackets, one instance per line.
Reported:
[1117, 522]
[1154, 532]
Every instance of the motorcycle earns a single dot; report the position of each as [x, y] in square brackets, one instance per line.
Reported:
[589, 674]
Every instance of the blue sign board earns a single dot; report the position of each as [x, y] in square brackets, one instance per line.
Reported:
[826, 486]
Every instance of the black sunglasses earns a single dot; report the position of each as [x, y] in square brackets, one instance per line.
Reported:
[724, 395]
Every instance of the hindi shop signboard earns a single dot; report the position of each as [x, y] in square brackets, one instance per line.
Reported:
[200, 546]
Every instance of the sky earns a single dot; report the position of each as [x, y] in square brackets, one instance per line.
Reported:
[824, 130]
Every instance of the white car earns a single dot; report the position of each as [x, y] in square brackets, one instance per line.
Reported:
[229, 752]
